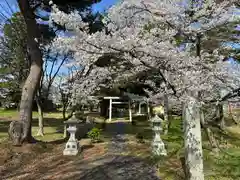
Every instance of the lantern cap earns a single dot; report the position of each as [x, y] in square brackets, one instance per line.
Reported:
[73, 120]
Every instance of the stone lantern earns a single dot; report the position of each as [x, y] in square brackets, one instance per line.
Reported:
[72, 147]
[158, 147]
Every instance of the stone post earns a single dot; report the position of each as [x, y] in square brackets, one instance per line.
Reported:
[193, 140]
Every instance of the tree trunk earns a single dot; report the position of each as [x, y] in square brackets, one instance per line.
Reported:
[193, 141]
[221, 109]
[99, 108]
[18, 106]
[40, 118]
[211, 139]
[32, 81]
[209, 133]
[150, 111]
[64, 114]
[65, 134]
[104, 108]
[65, 118]
[166, 114]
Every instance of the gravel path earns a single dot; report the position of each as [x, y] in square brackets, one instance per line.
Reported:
[117, 144]
[115, 166]
[119, 139]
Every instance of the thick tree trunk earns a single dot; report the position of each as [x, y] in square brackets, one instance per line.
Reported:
[32, 81]
[193, 141]
[166, 114]
[40, 118]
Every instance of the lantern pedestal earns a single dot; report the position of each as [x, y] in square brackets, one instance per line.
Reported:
[158, 147]
[72, 147]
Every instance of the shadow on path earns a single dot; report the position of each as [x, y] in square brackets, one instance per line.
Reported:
[121, 168]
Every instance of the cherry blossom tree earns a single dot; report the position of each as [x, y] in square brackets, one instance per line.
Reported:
[142, 36]
[54, 62]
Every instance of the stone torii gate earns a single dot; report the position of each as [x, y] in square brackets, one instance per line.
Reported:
[111, 102]
[131, 98]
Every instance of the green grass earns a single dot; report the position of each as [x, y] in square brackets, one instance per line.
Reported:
[53, 125]
[50, 134]
[225, 165]
[11, 114]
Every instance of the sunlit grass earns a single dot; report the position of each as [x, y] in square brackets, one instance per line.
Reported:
[234, 130]
[53, 125]
[11, 114]
[50, 134]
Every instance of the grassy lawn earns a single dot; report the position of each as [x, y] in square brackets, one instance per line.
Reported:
[13, 114]
[53, 125]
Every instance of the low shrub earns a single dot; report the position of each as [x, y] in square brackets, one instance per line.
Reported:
[94, 135]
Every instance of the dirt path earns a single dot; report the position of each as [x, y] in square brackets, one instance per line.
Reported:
[103, 161]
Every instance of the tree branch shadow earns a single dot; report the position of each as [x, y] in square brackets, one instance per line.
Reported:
[119, 168]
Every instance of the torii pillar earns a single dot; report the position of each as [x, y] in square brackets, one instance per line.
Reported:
[110, 110]
[130, 110]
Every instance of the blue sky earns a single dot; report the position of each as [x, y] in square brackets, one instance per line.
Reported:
[7, 7]
[103, 5]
